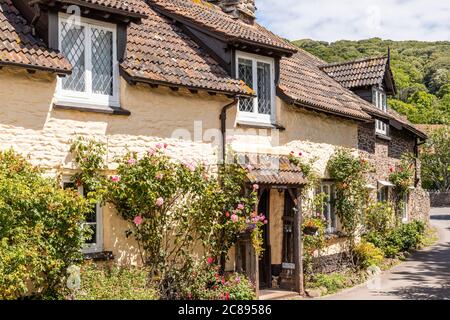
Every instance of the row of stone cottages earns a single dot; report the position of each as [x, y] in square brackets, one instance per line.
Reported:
[131, 72]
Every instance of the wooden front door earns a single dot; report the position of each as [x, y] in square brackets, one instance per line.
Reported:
[265, 272]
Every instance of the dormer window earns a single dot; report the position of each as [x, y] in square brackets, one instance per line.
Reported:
[90, 46]
[258, 73]
[380, 101]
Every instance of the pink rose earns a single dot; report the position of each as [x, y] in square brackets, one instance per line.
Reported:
[131, 161]
[151, 152]
[159, 146]
[266, 222]
[227, 214]
[240, 206]
[234, 218]
[262, 218]
[255, 187]
[237, 280]
[210, 260]
[250, 167]
[190, 166]
[165, 145]
[137, 221]
[115, 178]
[159, 202]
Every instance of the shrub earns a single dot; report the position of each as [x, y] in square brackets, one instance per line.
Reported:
[379, 218]
[114, 283]
[208, 284]
[366, 255]
[40, 233]
[333, 282]
[401, 239]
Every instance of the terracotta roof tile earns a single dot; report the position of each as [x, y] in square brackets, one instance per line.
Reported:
[358, 73]
[19, 46]
[272, 169]
[134, 7]
[211, 17]
[159, 52]
[305, 84]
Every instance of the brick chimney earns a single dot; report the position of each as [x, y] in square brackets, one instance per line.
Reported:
[238, 9]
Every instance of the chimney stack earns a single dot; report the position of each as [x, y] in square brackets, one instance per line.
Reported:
[238, 9]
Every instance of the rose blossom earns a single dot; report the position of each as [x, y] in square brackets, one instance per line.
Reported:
[159, 146]
[234, 218]
[151, 152]
[210, 260]
[265, 221]
[137, 221]
[227, 214]
[240, 206]
[131, 161]
[255, 187]
[159, 202]
[250, 167]
[115, 178]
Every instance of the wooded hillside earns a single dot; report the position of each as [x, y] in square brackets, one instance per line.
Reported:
[421, 70]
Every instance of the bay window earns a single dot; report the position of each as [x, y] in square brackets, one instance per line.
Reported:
[90, 46]
[258, 73]
[380, 101]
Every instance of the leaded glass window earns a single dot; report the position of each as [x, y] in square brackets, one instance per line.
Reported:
[257, 73]
[90, 47]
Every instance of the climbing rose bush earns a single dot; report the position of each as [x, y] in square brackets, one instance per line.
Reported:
[174, 206]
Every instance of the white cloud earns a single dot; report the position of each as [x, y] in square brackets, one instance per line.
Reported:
[332, 20]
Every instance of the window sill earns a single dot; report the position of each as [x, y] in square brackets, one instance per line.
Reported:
[99, 256]
[104, 110]
[262, 125]
[382, 136]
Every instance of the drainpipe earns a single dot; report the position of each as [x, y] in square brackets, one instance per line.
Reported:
[223, 126]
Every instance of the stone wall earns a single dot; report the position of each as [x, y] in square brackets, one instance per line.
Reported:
[440, 199]
[383, 153]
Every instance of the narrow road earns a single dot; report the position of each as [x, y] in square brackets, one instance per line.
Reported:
[424, 276]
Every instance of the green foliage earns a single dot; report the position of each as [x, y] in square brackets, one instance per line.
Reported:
[110, 282]
[367, 254]
[435, 159]
[40, 233]
[312, 241]
[89, 156]
[379, 218]
[332, 282]
[421, 71]
[349, 173]
[401, 239]
[208, 284]
[173, 207]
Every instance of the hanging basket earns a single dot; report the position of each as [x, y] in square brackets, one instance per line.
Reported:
[310, 230]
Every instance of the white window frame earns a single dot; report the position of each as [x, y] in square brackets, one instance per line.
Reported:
[330, 228]
[405, 213]
[255, 117]
[380, 101]
[88, 98]
[98, 245]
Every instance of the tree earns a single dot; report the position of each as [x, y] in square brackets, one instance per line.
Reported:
[435, 159]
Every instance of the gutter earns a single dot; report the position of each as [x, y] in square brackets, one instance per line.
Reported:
[223, 124]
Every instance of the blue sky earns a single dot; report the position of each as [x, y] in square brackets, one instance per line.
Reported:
[331, 20]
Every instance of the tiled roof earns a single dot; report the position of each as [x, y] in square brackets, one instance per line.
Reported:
[272, 169]
[416, 129]
[302, 82]
[159, 52]
[358, 73]
[211, 18]
[19, 47]
[132, 7]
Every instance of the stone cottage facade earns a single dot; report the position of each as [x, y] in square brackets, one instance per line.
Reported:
[196, 75]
